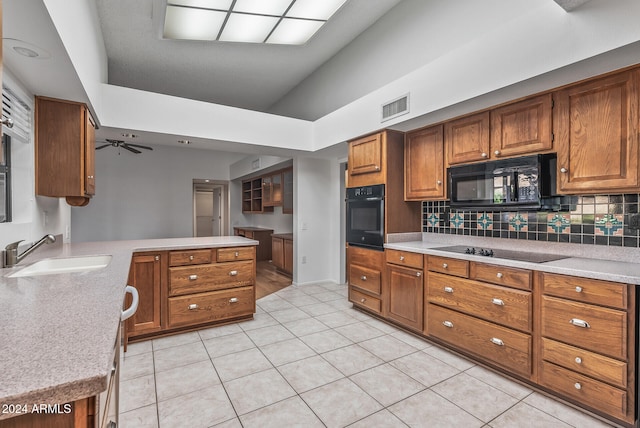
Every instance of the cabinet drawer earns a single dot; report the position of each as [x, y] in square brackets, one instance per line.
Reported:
[449, 266]
[372, 259]
[509, 277]
[365, 278]
[588, 363]
[236, 253]
[196, 279]
[213, 306]
[505, 347]
[190, 257]
[585, 390]
[364, 300]
[501, 305]
[591, 327]
[586, 290]
[404, 258]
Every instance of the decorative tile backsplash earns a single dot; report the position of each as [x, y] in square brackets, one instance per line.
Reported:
[591, 219]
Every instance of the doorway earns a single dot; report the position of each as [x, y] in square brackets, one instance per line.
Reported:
[210, 208]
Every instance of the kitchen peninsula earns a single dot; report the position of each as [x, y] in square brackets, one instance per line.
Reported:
[59, 331]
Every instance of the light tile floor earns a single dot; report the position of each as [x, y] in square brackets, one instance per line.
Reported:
[308, 359]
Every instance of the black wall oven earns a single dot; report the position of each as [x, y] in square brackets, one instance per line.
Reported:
[365, 216]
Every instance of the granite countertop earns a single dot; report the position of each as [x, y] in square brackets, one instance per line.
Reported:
[591, 266]
[288, 236]
[58, 331]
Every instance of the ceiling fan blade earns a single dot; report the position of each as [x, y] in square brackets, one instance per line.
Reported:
[102, 147]
[139, 146]
[131, 149]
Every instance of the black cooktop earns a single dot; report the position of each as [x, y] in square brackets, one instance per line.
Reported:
[522, 256]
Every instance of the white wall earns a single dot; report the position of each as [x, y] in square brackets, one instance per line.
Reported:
[32, 216]
[149, 195]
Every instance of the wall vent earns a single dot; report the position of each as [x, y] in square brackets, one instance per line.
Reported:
[395, 108]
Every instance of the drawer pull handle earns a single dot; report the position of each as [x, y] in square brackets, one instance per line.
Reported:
[497, 341]
[498, 302]
[444, 265]
[233, 300]
[363, 300]
[418, 274]
[363, 277]
[447, 324]
[193, 277]
[448, 290]
[578, 360]
[191, 258]
[580, 323]
[237, 254]
[233, 273]
[578, 289]
[499, 275]
[193, 307]
[401, 258]
[577, 385]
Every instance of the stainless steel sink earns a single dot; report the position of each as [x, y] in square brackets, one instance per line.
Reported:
[64, 265]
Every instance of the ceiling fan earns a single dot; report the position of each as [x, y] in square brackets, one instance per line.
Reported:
[127, 146]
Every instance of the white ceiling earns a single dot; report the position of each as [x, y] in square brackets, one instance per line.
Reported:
[249, 76]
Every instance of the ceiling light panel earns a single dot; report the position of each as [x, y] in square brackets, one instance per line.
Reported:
[205, 4]
[294, 31]
[262, 7]
[315, 9]
[192, 24]
[247, 28]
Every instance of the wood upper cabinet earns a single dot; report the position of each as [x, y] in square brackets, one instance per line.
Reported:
[287, 191]
[596, 129]
[145, 275]
[424, 174]
[367, 160]
[467, 138]
[65, 150]
[521, 128]
[272, 190]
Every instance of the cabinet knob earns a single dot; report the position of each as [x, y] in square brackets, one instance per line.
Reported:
[578, 289]
[499, 275]
[577, 385]
[498, 302]
[156, 258]
[233, 273]
[363, 277]
[497, 153]
[444, 265]
[448, 290]
[439, 182]
[237, 254]
[563, 170]
[233, 300]
[578, 360]
[193, 307]
[191, 258]
[497, 341]
[579, 323]
[377, 168]
[363, 300]
[418, 274]
[89, 176]
[447, 324]
[484, 155]
[193, 277]
[114, 368]
[401, 258]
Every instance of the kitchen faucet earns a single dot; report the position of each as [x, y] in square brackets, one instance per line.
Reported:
[11, 256]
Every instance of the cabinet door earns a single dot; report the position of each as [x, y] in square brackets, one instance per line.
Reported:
[467, 139]
[277, 252]
[89, 156]
[424, 165]
[596, 127]
[288, 256]
[366, 157]
[405, 296]
[145, 275]
[521, 128]
[287, 192]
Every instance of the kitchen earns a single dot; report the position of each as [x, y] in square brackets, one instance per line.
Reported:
[319, 179]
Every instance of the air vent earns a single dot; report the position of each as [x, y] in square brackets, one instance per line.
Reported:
[17, 110]
[395, 108]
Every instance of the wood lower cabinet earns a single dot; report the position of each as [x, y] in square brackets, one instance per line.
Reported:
[185, 289]
[282, 252]
[260, 234]
[403, 288]
[365, 278]
[424, 173]
[596, 125]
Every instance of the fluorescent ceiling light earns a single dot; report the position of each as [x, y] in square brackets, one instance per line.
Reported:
[294, 31]
[192, 24]
[247, 28]
[249, 21]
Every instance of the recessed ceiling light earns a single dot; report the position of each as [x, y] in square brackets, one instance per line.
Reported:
[26, 49]
[291, 22]
[184, 141]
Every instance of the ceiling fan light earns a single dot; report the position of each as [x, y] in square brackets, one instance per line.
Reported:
[314, 9]
[294, 31]
[247, 28]
[192, 24]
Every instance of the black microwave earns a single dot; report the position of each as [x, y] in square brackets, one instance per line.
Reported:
[506, 184]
